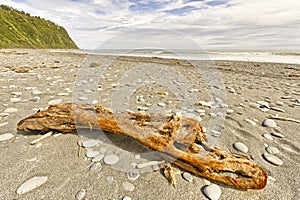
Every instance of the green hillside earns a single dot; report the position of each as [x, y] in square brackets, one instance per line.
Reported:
[20, 30]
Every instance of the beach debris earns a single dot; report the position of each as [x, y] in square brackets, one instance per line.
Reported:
[268, 136]
[111, 159]
[284, 119]
[43, 137]
[133, 175]
[172, 136]
[276, 134]
[272, 150]
[127, 186]
[31, 184]
[272, 159]
[170, 175]
[269, 123]
[6, 136]
[277, 109]
[187, 176]
[213, 192]
[90, 143]
[240, 147]
[80, 194]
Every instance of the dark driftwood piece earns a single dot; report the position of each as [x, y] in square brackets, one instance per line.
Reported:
[179, 139]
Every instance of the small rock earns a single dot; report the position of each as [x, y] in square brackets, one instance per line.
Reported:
[161, 104]
[98, 158]
[272, 150]
[200, 111]
[127, 186]
[17, 93]
[96, 167]
[10, 110]
[92, 154]
[3, 124]
[111, 159]
[36, 92]
[109, 179]
[272, 159]
[80, 194]
[187, 176]
[215, 133]
[213, 192]
[126, 198]
[6, 136]
[276, 134]
[82, 98]
[269, 123]
[55, 101]
[240, 147]
[230, 111]
[268, 136]
[15, 100]
[250, 122]
[34, 99]
[133, 175]
[31, 184]
[90, 143]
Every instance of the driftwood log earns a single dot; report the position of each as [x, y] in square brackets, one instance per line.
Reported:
[178, 139]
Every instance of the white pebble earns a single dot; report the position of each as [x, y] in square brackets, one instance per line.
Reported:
[250, 122]
[269, 123]
[96, 167]
[55, 101]
[240, 147]
[17, 93]
[15, 100]
[32, 184]
[187, 176]
[36, 92]
[127, 186]
[268, 136]
[3, 124]
[213, 192]
[82, 98]
[133, 175]
[109, 179]
[215, 133]
[230, 111]
[111, 159]
[126, 198]
[273, 159]
[80, 194]
[10, 110]
[161, 104]
[34, 99]
[90, 143]
[272, 150]
[98, 158]
[92, 154]
[6, 136]
[279, 135]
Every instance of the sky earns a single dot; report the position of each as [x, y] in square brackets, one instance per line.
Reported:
[209, 24]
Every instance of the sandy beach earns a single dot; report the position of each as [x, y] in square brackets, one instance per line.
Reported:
[248, 92]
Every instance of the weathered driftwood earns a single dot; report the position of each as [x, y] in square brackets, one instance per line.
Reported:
[180, 140]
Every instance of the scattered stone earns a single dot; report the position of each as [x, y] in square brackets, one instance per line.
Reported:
[80, 194]
[155, 168]
[137, 156]
[31, 184]
[272, 150]
[111, 159]
[187, 176]
[3, 124]
[133, 175]
[17, 93]
[272, 159]
[96, 167]
[279, 103]
[230, 111]
[276, 134]
[240, 147]
[126, 198]
[200, 111]
[6, 136]
[287, 97]
[161, 104]
[90, 143]
[63, 94]
[269, 123]
[34, 99]
[250, 122]
[10, 110]
[82, 98]
[268, 136]
[213, 192]
[15, 100]
[36, 92]
[215, 133]
[91, 153]
[206, 104]
[55, 102]
[98, 158]
[127, 186]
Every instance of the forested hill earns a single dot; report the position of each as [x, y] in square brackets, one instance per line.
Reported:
[20, 30]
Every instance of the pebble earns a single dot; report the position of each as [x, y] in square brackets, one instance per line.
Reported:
[213, 192]
[109, 179]
[200, 111]
[273, 159]
[276, 134]
[3, 124]
[92, 154]
[96, 167]
[17, 93]
[230, 111]
[161, 104]
[15, 100]
[240, 147]
[126, 198]
[269, 123]
[127, 186]
[268, 136]
[6, 136]
[34, 99]
[111, 159]
[80, 194]
[63, 94]
[187, 176]
[90, 143]
[31, 184]
[98, 158]
[82, 98]
[272, 150]
[215, 133]
[55, 101]
[36, 92]
[133, 175]
[10, 110]
[250, 122]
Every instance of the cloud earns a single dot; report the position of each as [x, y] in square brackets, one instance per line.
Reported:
[230, 24]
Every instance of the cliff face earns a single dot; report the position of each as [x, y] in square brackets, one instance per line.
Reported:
[20, 30]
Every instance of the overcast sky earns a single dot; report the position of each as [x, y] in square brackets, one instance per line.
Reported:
[211, 24]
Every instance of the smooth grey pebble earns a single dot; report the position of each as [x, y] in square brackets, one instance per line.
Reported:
[269, 123]
[213, 192]
[273, 159]
[240, 147]
[272, 150]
